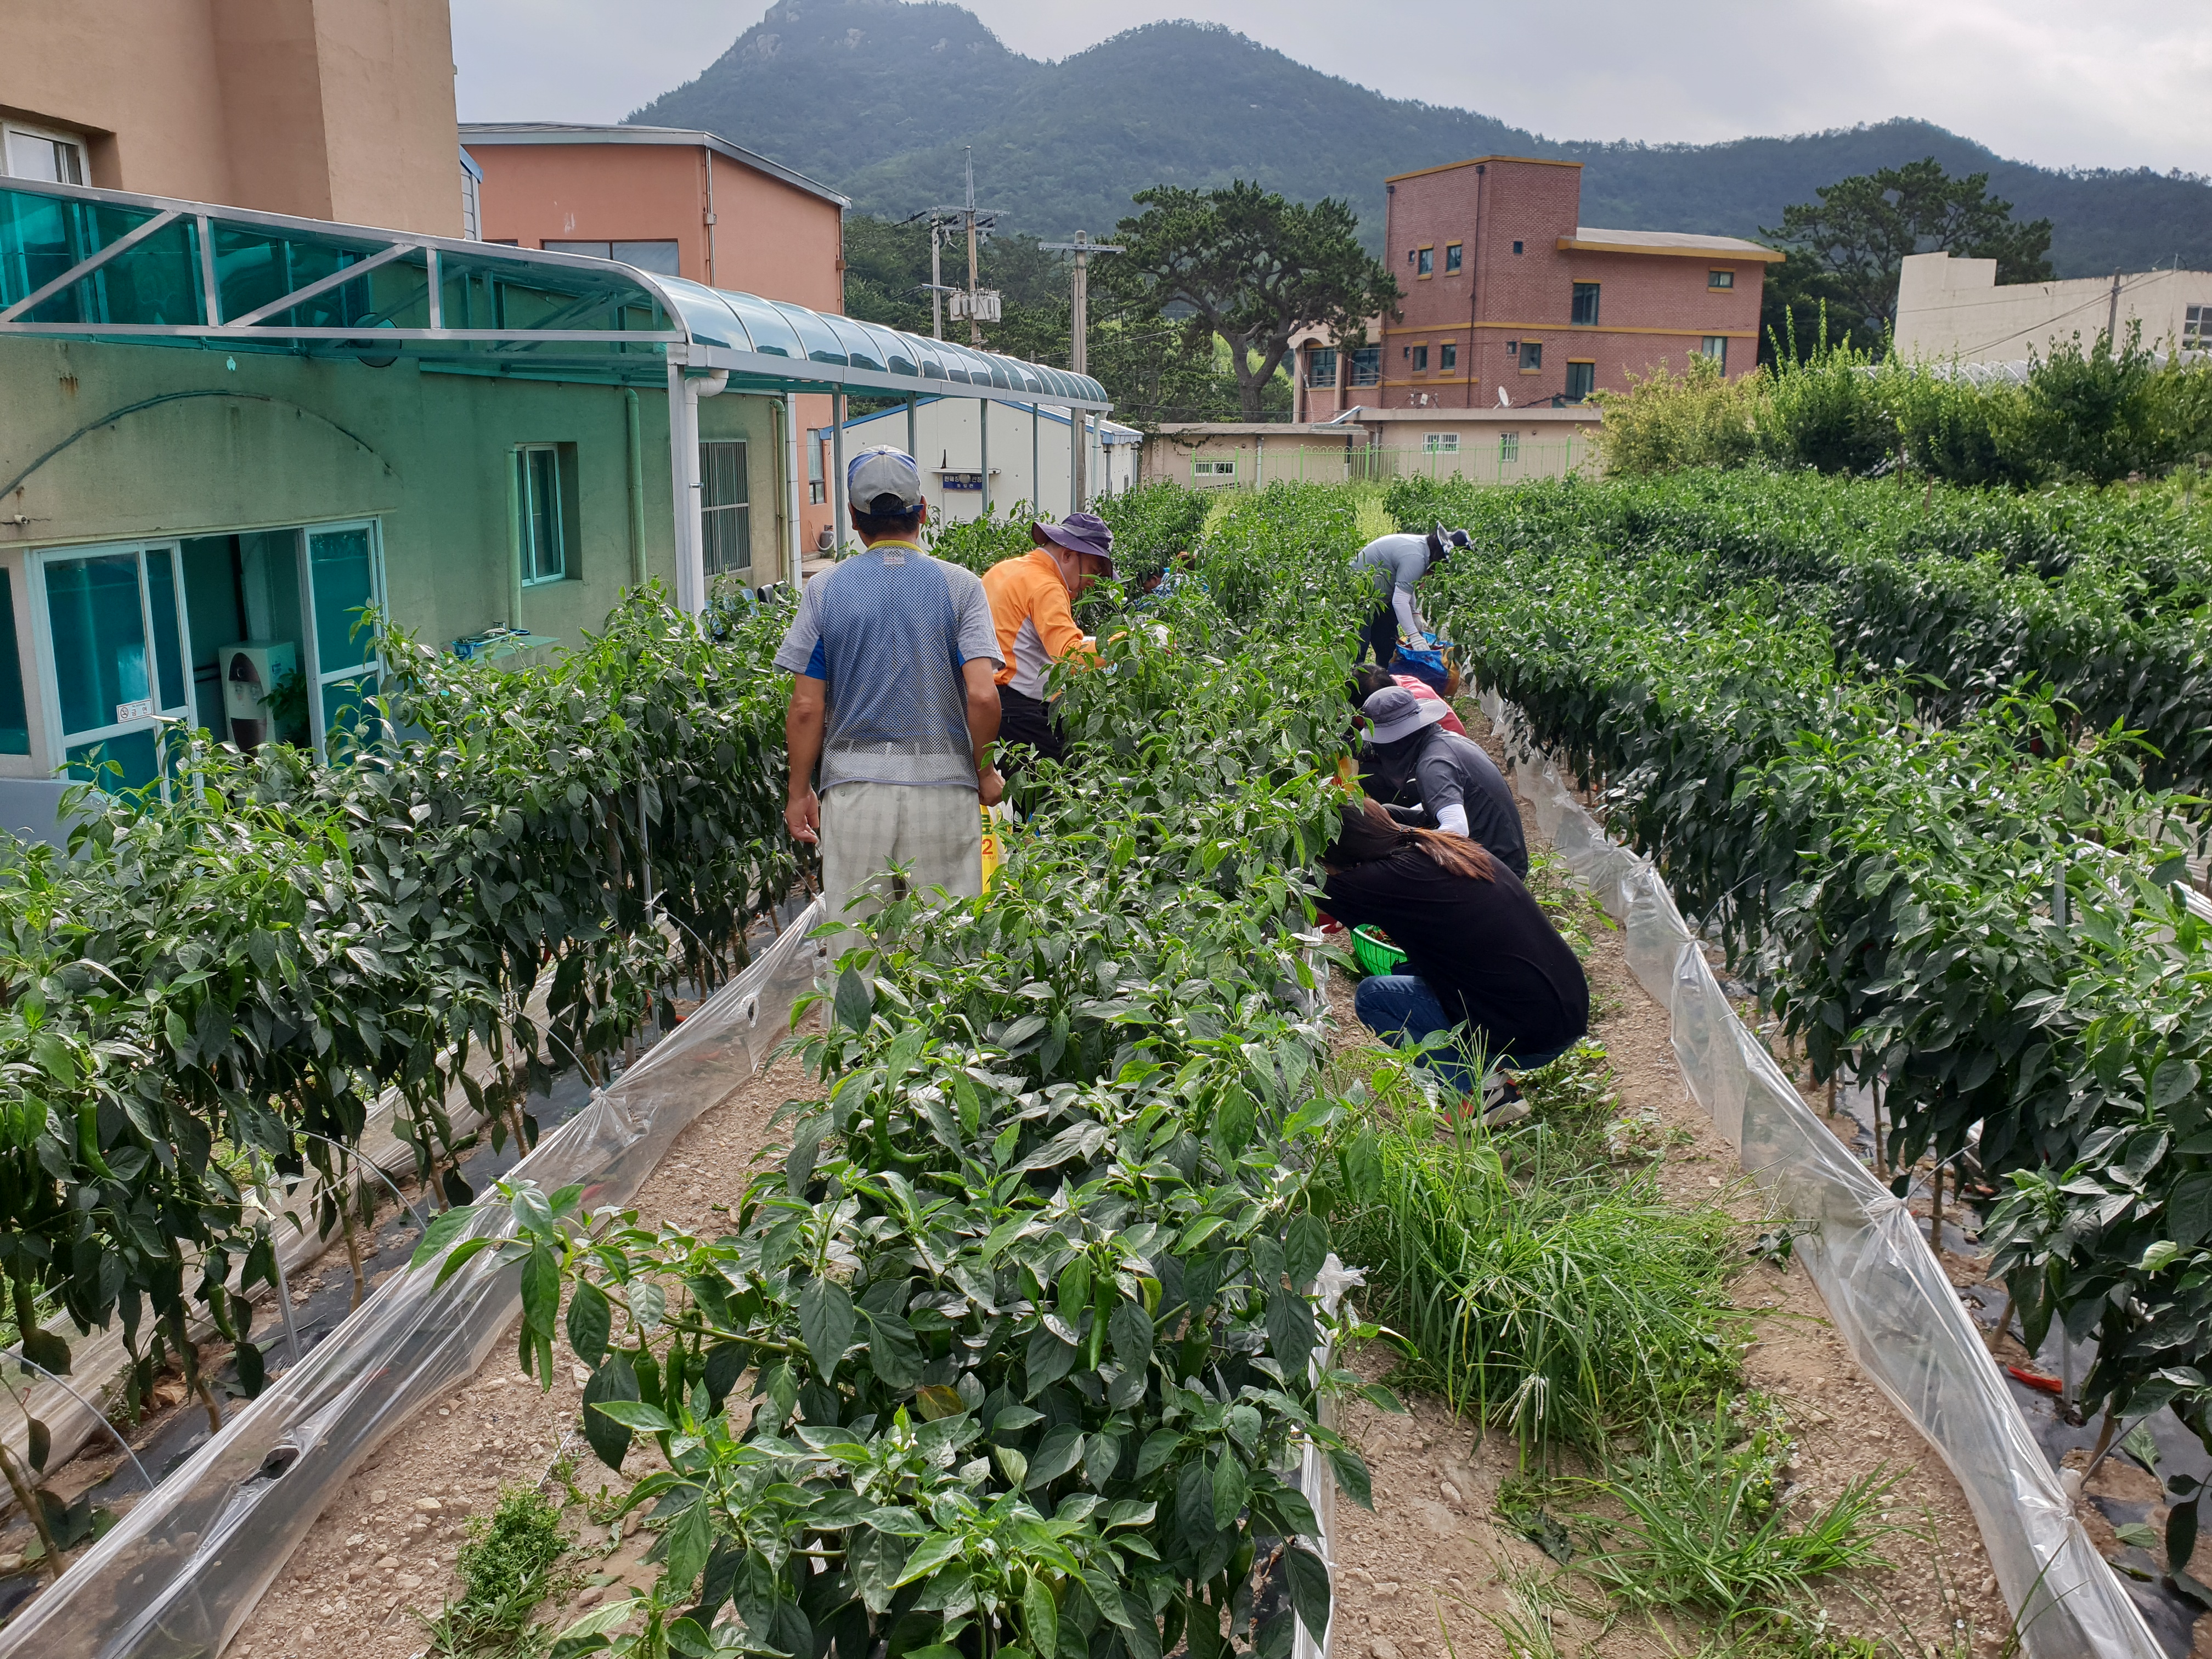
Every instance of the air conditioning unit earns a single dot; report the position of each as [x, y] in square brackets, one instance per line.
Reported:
[250, 671]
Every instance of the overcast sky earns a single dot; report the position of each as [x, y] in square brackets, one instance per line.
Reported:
[2118, 83]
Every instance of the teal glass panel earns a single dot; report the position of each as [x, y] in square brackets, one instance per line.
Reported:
[254, 266]
[15, 724]
[137, 752]
[169, 649]
[99, 638]
[343, 577]
[152, 281]
[347, 715]
[707, 316]
[41, 237]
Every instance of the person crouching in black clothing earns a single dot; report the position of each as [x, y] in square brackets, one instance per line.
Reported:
[1482, 960]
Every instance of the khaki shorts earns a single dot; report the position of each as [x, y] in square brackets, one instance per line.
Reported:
[935, 833]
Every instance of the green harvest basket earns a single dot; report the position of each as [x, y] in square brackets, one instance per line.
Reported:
[1376, 954]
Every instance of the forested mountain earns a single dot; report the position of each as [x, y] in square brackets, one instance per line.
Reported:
[877, 98]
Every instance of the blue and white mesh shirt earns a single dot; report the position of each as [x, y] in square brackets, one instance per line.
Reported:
[886, 631]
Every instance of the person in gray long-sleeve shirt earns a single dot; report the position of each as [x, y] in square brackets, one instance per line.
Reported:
[1458, 786]
[1394, 564]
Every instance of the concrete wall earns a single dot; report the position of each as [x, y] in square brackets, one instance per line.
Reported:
[1486, 445]
[1948, 307]
[331, 109]
[771, 238]
[281, 440]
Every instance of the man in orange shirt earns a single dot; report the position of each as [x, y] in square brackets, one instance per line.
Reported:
[1030, 598]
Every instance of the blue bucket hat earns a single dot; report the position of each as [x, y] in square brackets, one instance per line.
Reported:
[1079, 532]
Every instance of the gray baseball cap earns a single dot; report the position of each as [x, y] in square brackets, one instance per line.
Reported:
[1397, 712]
[883, 480]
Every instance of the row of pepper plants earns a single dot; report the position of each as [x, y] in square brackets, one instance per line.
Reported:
[2102, 597]
[1009, 1352]
[1983, 918]
[225, 973]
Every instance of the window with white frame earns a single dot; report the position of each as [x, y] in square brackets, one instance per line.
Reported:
[1213, 469]
[1509, 446]
[57, 158]
[2196, 329]
[724, 519]
[1440, 443]
[542, 493]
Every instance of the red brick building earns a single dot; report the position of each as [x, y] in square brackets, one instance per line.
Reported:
[1505, 292]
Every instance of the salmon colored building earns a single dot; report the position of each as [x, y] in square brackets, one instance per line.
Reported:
[1508, 300]
[674, 203]
[326, 109]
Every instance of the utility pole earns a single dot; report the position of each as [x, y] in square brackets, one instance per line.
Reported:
[1079, 345]
[936, 281]
[977, 304]
[974, 323]
[1078, 355]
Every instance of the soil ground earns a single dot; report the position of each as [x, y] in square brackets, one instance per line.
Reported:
[1421, 1577]
[383, 1550]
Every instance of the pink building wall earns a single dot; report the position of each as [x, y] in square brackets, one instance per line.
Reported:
[1515, 284]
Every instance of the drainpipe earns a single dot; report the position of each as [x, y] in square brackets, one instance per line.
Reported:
[1074, 458]
[983, 445]
[912, 441]
[633, 429]
[1037, 475]
[683, 395]
[837, 468]
[515, 538]
[796, 536]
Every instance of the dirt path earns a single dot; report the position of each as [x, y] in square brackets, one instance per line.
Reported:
[386, 1543]
[1428, 1569]
[1435, 1549]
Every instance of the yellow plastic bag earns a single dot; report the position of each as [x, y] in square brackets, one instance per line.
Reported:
[995, 851]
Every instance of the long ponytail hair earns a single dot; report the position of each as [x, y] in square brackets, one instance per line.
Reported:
[1368, 833]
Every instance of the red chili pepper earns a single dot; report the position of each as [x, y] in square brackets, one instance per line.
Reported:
[2037, 1380]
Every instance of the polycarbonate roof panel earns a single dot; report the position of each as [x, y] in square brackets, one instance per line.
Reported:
[78, 262]
[773, 334]
[821, 341]
[860, 351]
[707, 314]
[897, 350]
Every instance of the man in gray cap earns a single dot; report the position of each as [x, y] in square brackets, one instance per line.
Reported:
[1395, 564]
[895, 656]
[1457, 786]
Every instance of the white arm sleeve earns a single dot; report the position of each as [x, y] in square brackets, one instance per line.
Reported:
[1409, 620]
[1454, 819]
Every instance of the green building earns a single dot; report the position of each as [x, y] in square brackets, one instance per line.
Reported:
[223, 429]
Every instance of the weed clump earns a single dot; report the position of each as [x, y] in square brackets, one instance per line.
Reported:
[505, 1570]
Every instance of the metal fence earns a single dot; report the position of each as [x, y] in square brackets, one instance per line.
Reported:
[1502, 459]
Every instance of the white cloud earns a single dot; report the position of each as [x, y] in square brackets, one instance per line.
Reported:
[2119, 84]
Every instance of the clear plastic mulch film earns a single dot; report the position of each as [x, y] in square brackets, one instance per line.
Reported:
[178, 1575]
[1888, 1296]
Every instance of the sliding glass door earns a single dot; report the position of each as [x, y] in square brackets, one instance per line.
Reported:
[115, 631]
[345, 579]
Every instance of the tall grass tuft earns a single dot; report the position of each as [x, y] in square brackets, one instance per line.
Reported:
[1566, 1308]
